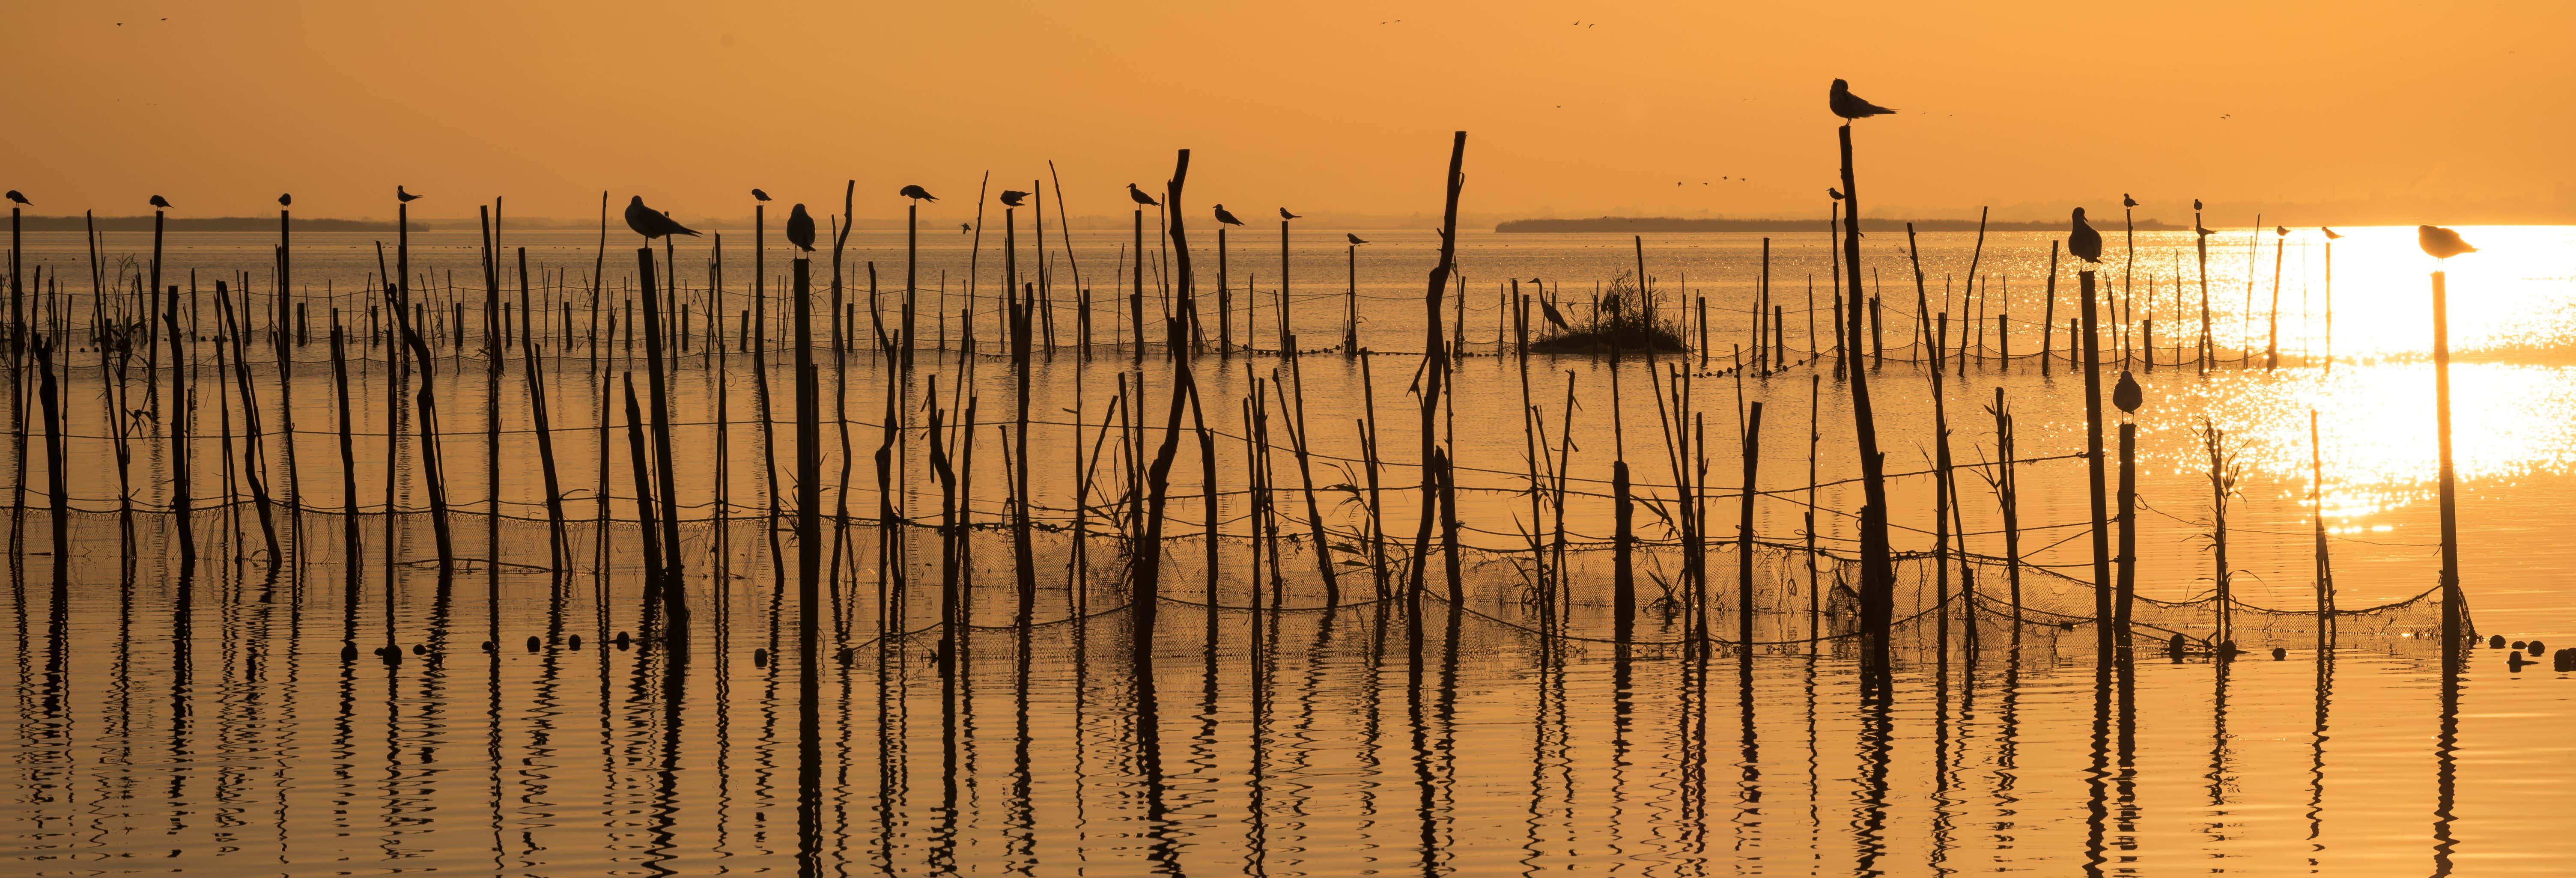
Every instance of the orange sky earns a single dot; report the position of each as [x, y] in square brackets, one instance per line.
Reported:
[2339, 112]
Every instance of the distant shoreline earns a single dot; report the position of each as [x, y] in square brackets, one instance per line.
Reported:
[1678, 224]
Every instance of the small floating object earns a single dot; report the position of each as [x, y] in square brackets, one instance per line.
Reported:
[845, 654]
[348, 653]
[2513, 661]
[2495, 642]
[534, 643]
[760, 658]
[2227, 650]
[2563, 660]
[2535, 647]
[2518, 645]
[487, 646]
[623, 641]
[2173, 647]
[419, 649]
[2279, 653]
[575, 642]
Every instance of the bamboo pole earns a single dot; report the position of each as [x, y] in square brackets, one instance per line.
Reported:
[674, 589]
[353, 576]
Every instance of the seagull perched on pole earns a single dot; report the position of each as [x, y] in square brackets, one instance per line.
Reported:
[402, 196]
[1355, 239]
[2331, 234]
[2281, 231]
[1011, 197]
[1833, 193]
[2195, 204]
[652, 223]
[2126, 201]
[2084, 242]
[757, 195]
[1850, 106]
[285, 199]
[800, 228]
[160, 202]
[917, 193]
[1223, 216]
[1138, 195]
[1285, 215]
[21, 199]
[2441, 243]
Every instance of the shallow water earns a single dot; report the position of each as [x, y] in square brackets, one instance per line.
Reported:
[1301, 750]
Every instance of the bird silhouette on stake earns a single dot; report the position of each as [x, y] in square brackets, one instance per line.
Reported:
[160, 202]
[1833, 193]
[1355, 239]
[1284, 214]
[800, 228]
[2126, 201]
[652, 223]
[21, 199]
[757, 195]
[1013, 197]
[1226, 217]
[2127, 396]
[403, 196]
[1138, 195]
[285, 199]
[2084, 242]
[917, 193]
[1850, 106]
[2331, 234]
[2281, 231]
[2441, 243]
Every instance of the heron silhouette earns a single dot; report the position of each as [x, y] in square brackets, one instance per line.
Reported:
[652, 223]
[21, 199]
[403, 196]
[1226, 217]
[1012, 197]
[160, 202]
[2331, 234]
[1355, 239]
[757, 195]
[1284, 214]
[1548, 309]
[2126, 201]
[800, 228]
[1850, 106]
[2441, 243]
[917, 193]
[1138, 195]
[286, 199]
[2084, 242]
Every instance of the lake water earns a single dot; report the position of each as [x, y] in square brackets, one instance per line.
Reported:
[200, 718]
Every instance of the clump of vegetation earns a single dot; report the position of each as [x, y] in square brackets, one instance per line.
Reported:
[1622, 318]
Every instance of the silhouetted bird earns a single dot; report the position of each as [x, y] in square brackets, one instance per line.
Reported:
[2331, 234]
[400, 195]
[1011, 197]
[1138, 195]
[2084, 242]
[1833, 193]
[651, 223]
[286, 199]
[1549, 310]
[2281, 231]
[158, 201]
[1225, 217]
[21, 199]
[2126, 201]
[963, 228]
[1355, 239]
[1850, 106]
[1284, 214]
[2195, 204]
[2441, 243]
[2127, 396]
[800, 228]
[917, 193]
[757, 195]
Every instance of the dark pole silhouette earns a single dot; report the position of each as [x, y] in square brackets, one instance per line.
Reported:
[2442, 244]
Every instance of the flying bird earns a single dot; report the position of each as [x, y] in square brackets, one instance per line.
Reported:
[402, 196]
[1833, 193]
[285, 199]
[1138, 195]
[2127, 396]
[158, 201]
[2441, 243]
[1549, 310]
[963, 228]
[917, 193]
[2331, 234]
[21, 199]
[2084, 242]
[651, 223]
[1284, 214]
[2126, 201]
[757, 195]
[1011, 197]
[800, 228]
[1850, 106]
[1355, 239]
[1225, 217]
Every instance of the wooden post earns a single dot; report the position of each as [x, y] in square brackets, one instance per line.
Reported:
[2317, 502]
[2006, 497]
[2454, 610]
[1744, 528]
[2048, 313]
[2092, 342]
[674, 592]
